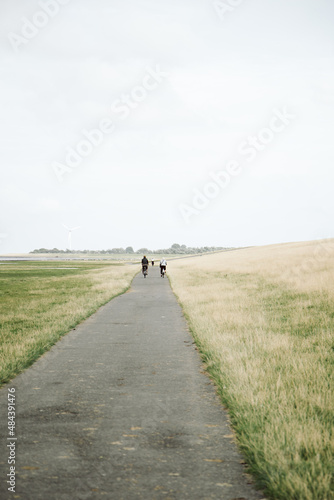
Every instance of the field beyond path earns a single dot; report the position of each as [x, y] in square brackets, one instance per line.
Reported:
[42, 301]
[120, 409]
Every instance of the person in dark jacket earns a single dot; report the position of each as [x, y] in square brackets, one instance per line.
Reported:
[144, 264]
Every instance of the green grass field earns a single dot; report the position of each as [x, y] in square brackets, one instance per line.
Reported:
[41, 301]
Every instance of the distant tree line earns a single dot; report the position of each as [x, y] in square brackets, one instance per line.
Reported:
[174, 249]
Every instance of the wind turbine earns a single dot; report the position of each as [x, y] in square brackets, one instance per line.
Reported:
[70, 234]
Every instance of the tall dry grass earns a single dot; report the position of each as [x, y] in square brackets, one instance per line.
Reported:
[263, 319]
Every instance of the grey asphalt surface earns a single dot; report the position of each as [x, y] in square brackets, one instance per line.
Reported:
[120, 409]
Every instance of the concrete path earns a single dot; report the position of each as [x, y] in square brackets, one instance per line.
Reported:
[120, 409]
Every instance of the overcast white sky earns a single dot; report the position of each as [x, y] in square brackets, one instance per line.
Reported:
[183, 88]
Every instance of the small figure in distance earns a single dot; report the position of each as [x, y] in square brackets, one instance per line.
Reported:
[144, 265]
[152, 262]
[163, 265]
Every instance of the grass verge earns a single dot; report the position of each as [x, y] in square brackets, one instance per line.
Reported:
[42, 301]
[264, 324]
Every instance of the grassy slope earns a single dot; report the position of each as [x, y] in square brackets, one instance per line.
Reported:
[264, 319]
[39, 304]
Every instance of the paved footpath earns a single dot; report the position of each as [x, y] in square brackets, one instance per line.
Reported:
[120, 409]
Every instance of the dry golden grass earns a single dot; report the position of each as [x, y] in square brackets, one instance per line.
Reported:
[264, 319]
[308, 266]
